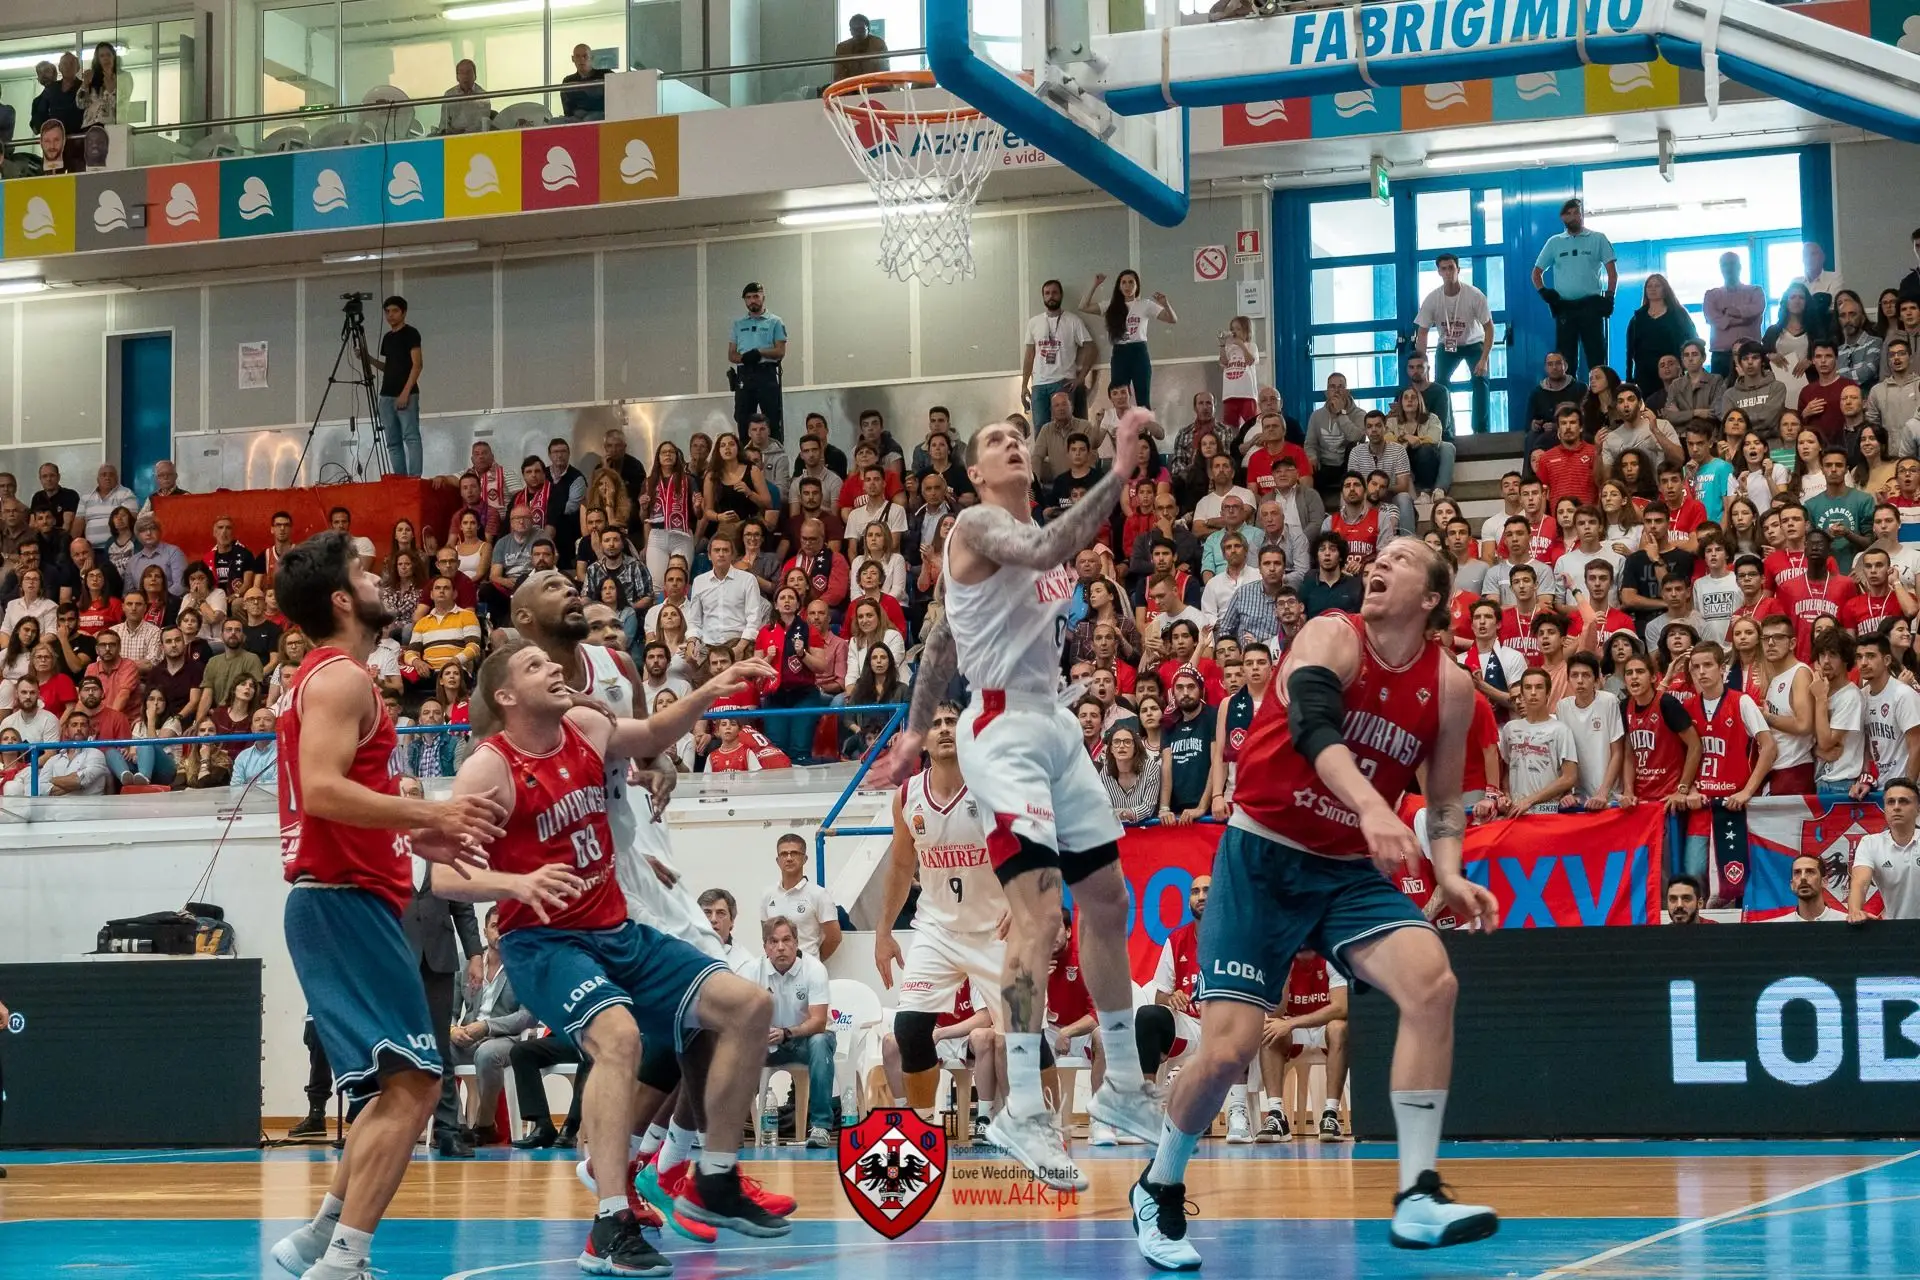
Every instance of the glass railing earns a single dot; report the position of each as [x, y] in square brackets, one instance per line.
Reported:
[394, 117]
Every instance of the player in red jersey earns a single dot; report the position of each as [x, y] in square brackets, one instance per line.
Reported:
[1313, 1016]
[1356, 521]
[581, 964]
[1362, 703]
[348, 842]
[1663, 746]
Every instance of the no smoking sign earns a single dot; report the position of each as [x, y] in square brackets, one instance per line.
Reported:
[1210, 263]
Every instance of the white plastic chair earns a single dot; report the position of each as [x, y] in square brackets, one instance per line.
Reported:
[522, 115]
[856, 1018]
[292, 138]
[798, 1075]
[221, 142]
[514, 1118]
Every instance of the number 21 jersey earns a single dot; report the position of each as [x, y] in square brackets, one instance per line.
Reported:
[560, 817]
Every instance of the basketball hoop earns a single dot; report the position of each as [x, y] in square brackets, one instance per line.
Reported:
[925, 154]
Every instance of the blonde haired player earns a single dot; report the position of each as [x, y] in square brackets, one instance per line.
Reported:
[1047, 816]
[957, 921]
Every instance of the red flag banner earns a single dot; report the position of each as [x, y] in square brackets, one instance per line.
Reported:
[1546, 871]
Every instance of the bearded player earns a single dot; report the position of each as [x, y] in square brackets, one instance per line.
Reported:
[345, 843]
[548, 611]
[1047, 816]
[956, 923]
[1362, 702]
[581, 964]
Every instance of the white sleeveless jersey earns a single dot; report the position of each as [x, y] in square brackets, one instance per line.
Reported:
[609, 684]
[959, 892]
[1009, 630]
[1795, 749]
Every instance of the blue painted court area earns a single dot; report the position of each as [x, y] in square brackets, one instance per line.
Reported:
[1859, 1224]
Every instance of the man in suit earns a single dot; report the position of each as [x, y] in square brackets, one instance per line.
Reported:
[430, 924]
[491, 1023]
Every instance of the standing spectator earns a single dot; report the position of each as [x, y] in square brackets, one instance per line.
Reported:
[399, 363]
[856, 55]
[808, 907]
[1755, 392]
[615, 458]
[1128, 316]
[755, 348]
[568, 490]
[1186, 758]
[1733, 312]
[727, 601]
[1822, 287]
[1186, 441]
[93, 515]
[100, 87]
[1579, 301]
[1788, 707]
[1539, 751]
[475, 115]
[1894, 403]
[799, 1035]
[60, 99]
[1599, 735]
[584, 104]
[797, 655]
[1839, 717]
[1736, 752]
[1842, 511]
[1659, 328]
[1239, 374]
[1892, 711]
[1858, 346]
[1058, 356]
[1692, 394]
[1461, 315]
[1820, 399]
[1888, 861]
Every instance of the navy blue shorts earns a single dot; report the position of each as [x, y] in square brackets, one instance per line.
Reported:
[362, 986]
[566, 976]
[1270, 900]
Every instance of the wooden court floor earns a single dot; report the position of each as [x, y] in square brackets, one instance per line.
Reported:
[1809, 1211]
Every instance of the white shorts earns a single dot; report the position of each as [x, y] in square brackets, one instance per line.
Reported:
[1030, 771]
[1186, 1036]
[952, 1053]
[940, 963]
[674, 912]
[1307, 1038]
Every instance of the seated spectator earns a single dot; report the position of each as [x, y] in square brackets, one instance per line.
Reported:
[510, 562]
[202, 596]
[1755, 391]
[54, 498]
[95, 512]
[878, 546]
[119, 678]
[32, 721]
[1418, 429]
[856, 55]
[1331, 586]
[32, 602]
[76, 769]
[472, 116]
[489, 1023]
[527, 1059]
[798, 655]
[156, 551]
[261, 629]
[57, 689]
[827, 572]
[446, 633]
[741, 750]
[584, 104]
[800, 1035]
[451, 687]
[466, 589]
[805, 905]
[139, 637]
[760, 559]
[1376, 452]
[1685, 897]
[259, 762]
[153, 763]
[227, 667]
[616, 560]
[1363, 524]
[1132, 775]
[831, 681]
[431, 755]
[236, 714]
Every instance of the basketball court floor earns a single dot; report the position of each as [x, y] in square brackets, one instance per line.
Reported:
[1693, 1210]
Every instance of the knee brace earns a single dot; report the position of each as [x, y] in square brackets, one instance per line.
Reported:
[914, 1033]
[1153, 1031]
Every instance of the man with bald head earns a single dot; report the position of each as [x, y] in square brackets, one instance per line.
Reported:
[828, 573]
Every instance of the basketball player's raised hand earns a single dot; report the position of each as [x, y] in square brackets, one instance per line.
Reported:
[551, 886]
[901, 761]
[755, 671]
[1127, 435]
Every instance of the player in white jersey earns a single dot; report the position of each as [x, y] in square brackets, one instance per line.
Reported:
[548, 611]
[1046, 813]
[956, 922]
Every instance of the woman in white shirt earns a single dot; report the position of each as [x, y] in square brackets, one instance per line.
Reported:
[670, 629]
[1623, 519]
[1128, 316]
[879, 545]
[680, 753]
[30, 603]
[871, 626]
[1757, 475]
[1239, 375]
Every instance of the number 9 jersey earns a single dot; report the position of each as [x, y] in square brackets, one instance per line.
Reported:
[559, 816]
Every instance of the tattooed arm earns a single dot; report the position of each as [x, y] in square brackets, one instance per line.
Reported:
[939, 660]
[993, 535]
[1446, 818]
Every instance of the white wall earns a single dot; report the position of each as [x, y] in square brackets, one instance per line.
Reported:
[1876, 196]
[60, 881]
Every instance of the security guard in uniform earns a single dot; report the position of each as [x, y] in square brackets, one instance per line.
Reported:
[755, 349]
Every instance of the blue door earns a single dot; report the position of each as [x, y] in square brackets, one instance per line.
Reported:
[146, 408]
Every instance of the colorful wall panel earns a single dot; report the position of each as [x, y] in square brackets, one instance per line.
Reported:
[483, 174]
[39, 216]
[338, 187]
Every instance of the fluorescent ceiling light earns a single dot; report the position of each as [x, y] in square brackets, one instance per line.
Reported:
[391, 252]
[854, 213]
[30, 284]
[506, 8]
[1526, 153]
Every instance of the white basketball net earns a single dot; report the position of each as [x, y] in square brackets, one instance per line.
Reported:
[925, 172]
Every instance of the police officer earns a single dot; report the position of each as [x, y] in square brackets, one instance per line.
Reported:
[755, 349]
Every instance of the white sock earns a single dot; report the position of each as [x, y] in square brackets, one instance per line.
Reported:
[611, 1205]
[718, 1161]
[1332, 1108]
[899, 1099]
[1237, 1096]
[1170, 1161]
[651, 1140]
[1024, 1095]
[677, 1148]
[347, 1254]
[1116, 1037]
[1417, 1114]
[1271, 1104]
[325, 1221]
[636, 1147]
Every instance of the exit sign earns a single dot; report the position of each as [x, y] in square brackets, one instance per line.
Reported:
[1380, 187]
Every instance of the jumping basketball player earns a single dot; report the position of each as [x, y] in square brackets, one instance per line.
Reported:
[345, 843]
[584, 968]
[956, 923]
[1047, 814]
[548, 611]
[1363, 701]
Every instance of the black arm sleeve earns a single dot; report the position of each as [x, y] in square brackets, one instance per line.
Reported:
[1316, 710]
[1674, 713]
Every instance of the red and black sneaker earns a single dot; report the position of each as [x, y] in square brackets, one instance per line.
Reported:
[643, 1213]
[720, 1200]
[616, 1247]
[772, 1201]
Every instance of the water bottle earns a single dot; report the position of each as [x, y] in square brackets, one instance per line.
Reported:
[770, 1125]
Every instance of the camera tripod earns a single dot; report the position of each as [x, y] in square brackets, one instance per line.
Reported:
[353, 336]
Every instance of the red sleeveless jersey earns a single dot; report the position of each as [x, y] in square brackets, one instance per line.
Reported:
[1307, 988]
[1726, 747]
[1658, 753]
[321, 849]
[559, 816]
[962, 1008]
[1392, 721]
[1184, 942]
[1362, 535]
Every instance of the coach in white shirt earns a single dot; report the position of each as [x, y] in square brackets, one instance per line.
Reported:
[1809, 880]
[801, 1034]
[728, 604]
[1889, 860]
[816, 920]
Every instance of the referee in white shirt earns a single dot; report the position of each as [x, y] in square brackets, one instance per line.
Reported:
[728, 604]
[816, 920]
[1889, 860]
